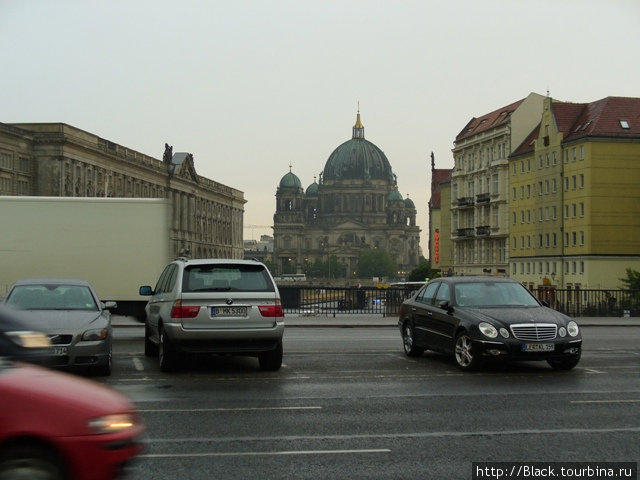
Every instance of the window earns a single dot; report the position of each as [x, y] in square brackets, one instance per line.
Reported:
[581, 209]
[573, 154]
[624, 124]
[582, 238]
[574, 210]
[555, 158]
[574, 182]
[513, 218]
[494, 178]
[581, 268]
[555, 240]
[555, 212]
[554, 184]
[574, 239]
[582, 180]
[566, 211]
[513, 193]
[581, 152]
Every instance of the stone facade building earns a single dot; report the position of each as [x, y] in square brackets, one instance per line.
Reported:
[354, 205]
[480, 183]
[59, 160]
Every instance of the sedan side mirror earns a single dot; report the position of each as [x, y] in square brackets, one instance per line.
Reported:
[110, 306]
[446, 305]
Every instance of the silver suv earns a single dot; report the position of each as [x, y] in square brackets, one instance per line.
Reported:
[214, 306]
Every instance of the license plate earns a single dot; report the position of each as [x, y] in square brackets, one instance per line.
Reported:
[538, 347]
[59, 351]
[228, 311]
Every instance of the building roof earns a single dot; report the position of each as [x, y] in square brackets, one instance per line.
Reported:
[438, 176]
[609, 117]
[486, 122]
[617, 117]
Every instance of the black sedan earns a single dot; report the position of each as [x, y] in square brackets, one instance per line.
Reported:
[479, 318]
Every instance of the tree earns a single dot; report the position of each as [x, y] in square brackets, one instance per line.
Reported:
[375, 263]
[632, 282]
[422, 272]
[324, 269]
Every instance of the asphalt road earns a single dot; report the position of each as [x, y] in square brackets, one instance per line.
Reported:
[348, 404]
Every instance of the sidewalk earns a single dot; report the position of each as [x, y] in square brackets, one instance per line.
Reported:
[345, 320]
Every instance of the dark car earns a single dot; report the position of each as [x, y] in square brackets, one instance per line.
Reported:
[479, 318]
[18, 341]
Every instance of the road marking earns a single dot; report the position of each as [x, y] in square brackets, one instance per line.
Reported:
[257, 454]
[605, 401]
[237, 409]
[370, 436]
[138, 364]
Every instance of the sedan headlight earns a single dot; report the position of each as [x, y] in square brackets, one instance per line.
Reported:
[488, 330]
[96, 334]
[572, 328]
[112, 423]
[28, 339]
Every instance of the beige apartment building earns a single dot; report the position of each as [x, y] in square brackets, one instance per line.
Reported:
[479, 231]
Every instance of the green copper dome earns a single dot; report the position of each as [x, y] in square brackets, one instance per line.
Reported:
[357, 159]
[312, 190]
[409, 203]
[290, 180]
[395, 196]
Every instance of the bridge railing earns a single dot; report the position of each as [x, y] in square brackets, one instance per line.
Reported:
[306, 300]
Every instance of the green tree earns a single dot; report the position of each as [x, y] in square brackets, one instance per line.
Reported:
[632, 282]
[422, 272]
[376, 263]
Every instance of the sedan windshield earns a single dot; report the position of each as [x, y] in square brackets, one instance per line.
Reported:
[51, 297]
[493, 294]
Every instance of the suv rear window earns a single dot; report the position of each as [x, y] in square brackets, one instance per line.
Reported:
[225, 278]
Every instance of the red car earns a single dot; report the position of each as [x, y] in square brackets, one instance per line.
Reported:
[57, 426]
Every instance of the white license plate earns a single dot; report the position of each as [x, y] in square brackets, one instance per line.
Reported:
[228, 311]
[538, 347]
[59, 351]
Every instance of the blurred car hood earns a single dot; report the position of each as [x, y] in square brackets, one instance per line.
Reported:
[511, 315]
[53, 321]
[41, 386]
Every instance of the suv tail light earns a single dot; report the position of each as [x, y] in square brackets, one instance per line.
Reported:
[184, 311]
[272, 310]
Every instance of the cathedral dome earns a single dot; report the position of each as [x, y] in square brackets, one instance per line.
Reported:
[395, 196]
[290, 180]
[409, 203]
[312, 190]
[358, 159]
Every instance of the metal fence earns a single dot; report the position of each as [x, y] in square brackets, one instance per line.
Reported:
[332, 300]
[592, 303]
[306, 300]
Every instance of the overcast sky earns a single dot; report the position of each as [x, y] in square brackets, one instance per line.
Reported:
[251, 87]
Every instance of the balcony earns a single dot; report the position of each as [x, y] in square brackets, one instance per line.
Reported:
[483, 198]
[465, 202]
[466, 232]
[483, 231]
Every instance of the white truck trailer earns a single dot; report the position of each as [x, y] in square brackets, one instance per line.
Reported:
[117, 244]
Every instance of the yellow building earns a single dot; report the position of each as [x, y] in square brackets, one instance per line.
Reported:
[574, 201]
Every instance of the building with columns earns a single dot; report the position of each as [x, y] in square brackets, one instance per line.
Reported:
[59, 160]
[354, 205]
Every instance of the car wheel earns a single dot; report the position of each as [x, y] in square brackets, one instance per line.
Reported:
[564, 363]
[464, 354]
[167, 356]
[272, 360]
[408, 341]
[150, 348]
[30, 461]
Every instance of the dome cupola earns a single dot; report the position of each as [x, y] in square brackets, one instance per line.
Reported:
[357, 159]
